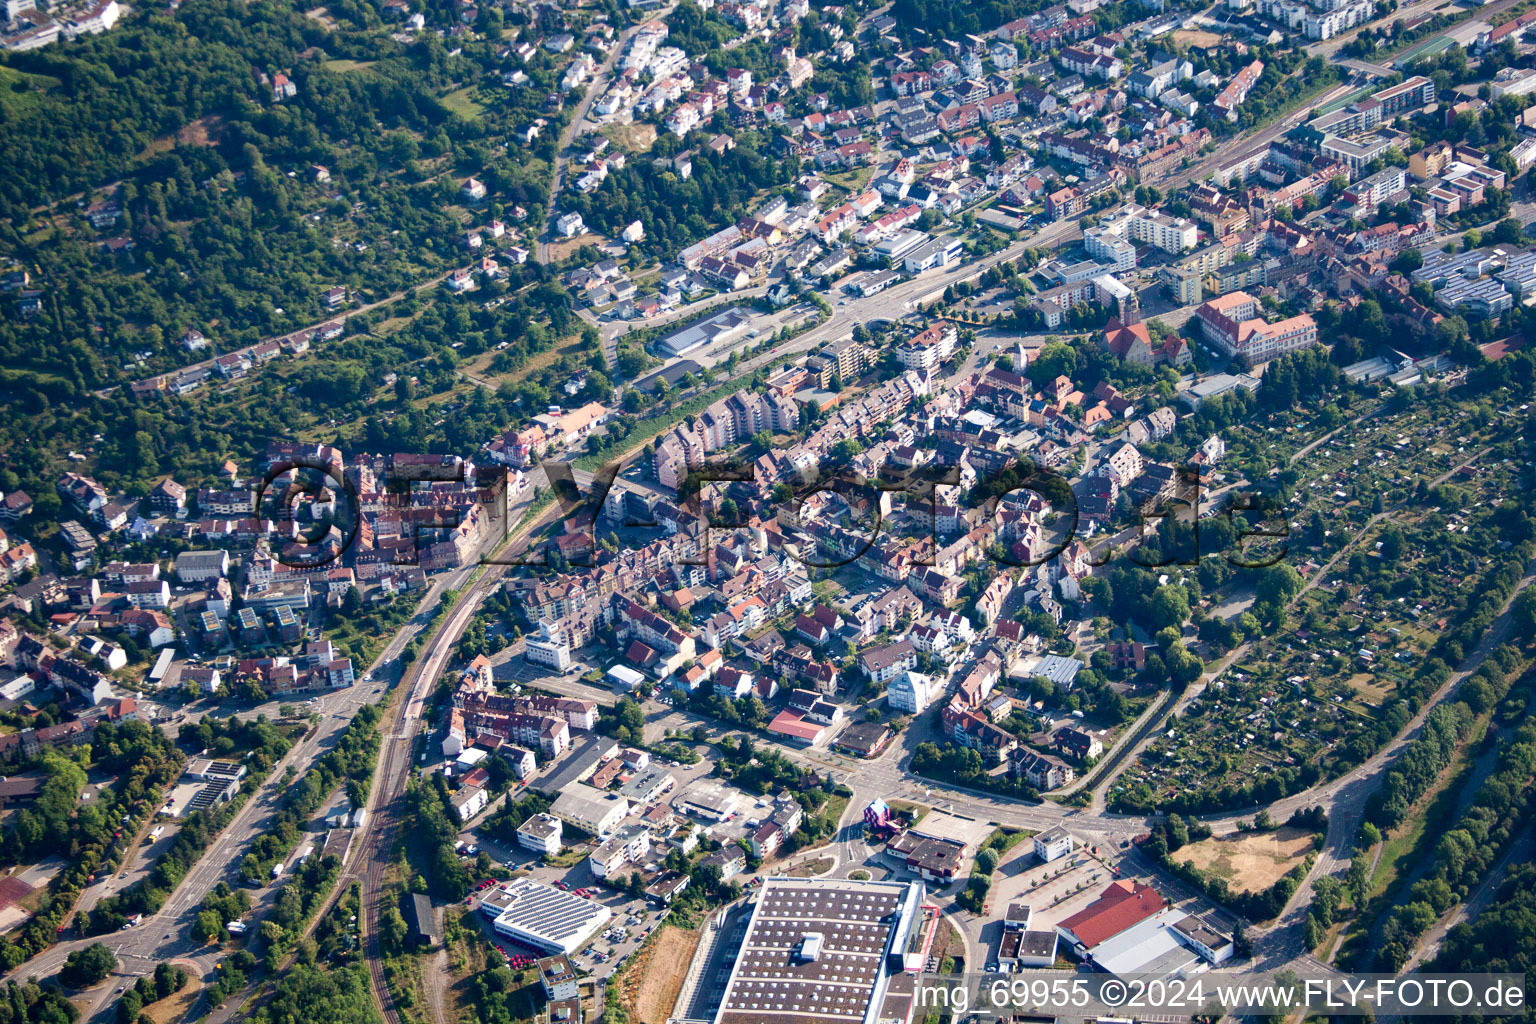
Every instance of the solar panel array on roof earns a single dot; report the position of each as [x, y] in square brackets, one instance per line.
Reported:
[548, 918]
[772, 980]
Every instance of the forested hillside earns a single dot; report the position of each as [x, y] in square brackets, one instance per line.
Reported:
[227, 223]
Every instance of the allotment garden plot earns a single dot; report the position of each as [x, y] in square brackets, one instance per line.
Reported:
[1345, 666]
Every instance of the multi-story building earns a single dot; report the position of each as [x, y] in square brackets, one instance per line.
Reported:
[884, 664]
[628, 845]
[1236, 91]
[911, 692]
[549, 736]
[930, 348]
[549, 647]
[1170, 234]
[1376, 190]
[1040, 770]
[1232, 323]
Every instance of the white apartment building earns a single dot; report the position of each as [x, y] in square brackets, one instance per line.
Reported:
[1170, 234]
[1123, 466]
[1152, 227]
[628, 845]
[548, 647]
[1232, 322]
[911, 692]
[929, 349]
[1053, 844]
[1108, 247]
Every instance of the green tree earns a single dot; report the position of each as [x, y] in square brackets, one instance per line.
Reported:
[1276, 584]
[1169, 607]
[85, 967]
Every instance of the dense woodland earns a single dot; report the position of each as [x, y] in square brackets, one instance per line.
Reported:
[225, 237]
[56, 825]
[231, 232]
[310, 994]
[676, 213]
[222, 737]
[1467, 850]
[1502, 938]
[142, 439]
[31, 1003]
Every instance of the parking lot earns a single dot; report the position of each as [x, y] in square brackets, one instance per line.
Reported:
[633, 919]
[1056, 890]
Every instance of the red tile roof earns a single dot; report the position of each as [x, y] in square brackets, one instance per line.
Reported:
[1123, 905]
[787, 723]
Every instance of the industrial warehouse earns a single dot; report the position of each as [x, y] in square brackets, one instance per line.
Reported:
[542, 916]
[825, 949]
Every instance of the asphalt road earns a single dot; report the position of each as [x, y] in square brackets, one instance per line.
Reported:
[578, 126]
[166, 934]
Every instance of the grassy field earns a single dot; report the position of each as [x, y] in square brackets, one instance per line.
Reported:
[21, 93]
[177, 1005]
[343, 66]
[365, 636]
[832, 810]
[1405, 845]
[464, 104]
[632, 138]
[572, 346]
[904, 807]
[853, 180]
[660, 423]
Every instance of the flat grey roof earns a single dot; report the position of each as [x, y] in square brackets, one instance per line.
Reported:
[541, 826]
[581, 762]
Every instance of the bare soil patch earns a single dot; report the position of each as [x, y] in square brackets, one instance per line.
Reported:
[634, 138]
[1371, 688]
[1195, 37]
[565, 247]
[819, 866]
[177, 1005]
[1250, 862]
[651, 986]
[205, 131]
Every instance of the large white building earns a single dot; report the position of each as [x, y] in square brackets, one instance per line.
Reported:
[1124, 465]
[1170, 234]
[1109, 248]
[1153, 227]
[590, 809]
[1053, 844]
[198, 566]
[929, 349]
[911, 692]
[549, 647]
[827, 950]
[541, 834]
[629, 845]
[1233, 324]
[544, 917]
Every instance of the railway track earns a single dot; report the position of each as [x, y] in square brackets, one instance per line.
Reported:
[383, 819]
[386, 808]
